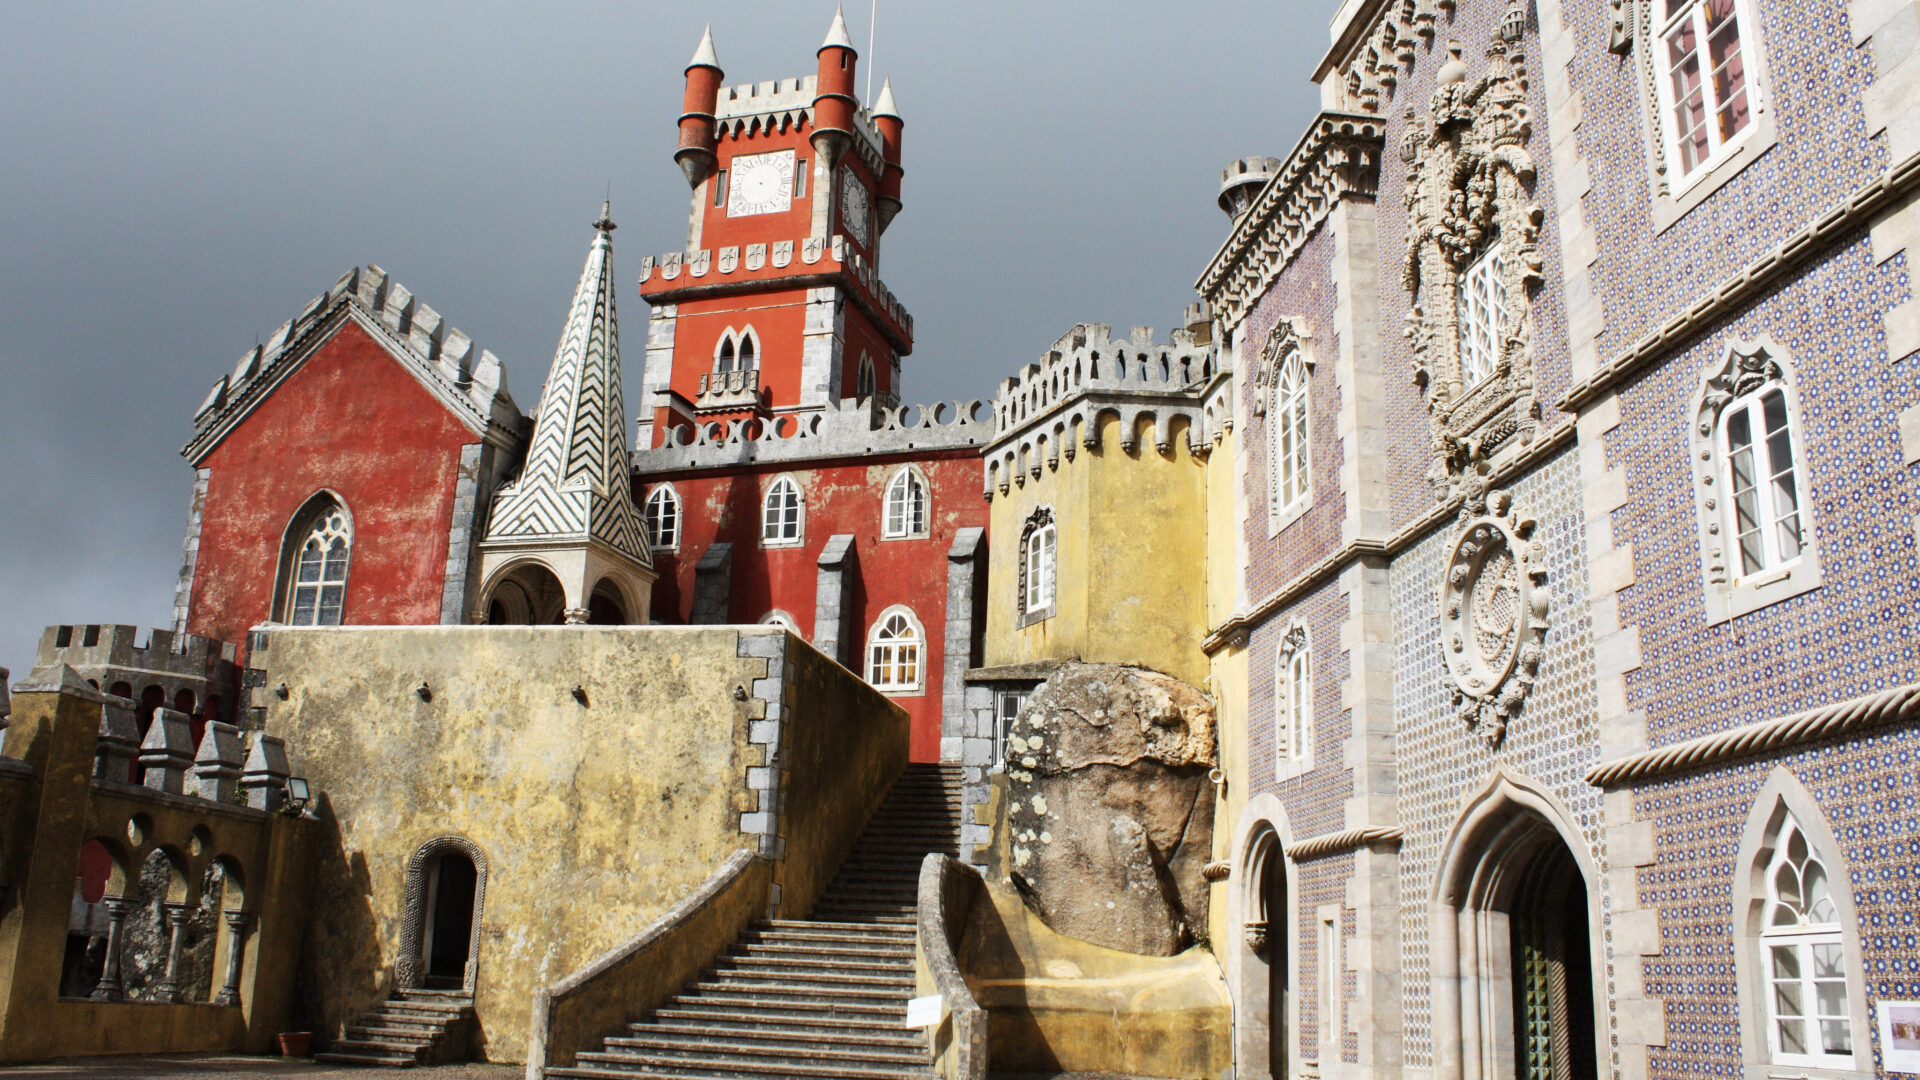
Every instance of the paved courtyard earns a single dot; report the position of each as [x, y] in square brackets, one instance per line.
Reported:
[189, 1065]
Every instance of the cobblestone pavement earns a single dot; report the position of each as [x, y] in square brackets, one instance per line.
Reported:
[174, 1066]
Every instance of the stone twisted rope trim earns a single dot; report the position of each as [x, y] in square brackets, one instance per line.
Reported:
[1900, 704]
[1865, 201]
[1340, 843]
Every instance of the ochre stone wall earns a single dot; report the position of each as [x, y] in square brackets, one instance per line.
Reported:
[594, 817]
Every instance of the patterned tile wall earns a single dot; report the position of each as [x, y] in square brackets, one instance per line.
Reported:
[1315, 801]
[1554, 740]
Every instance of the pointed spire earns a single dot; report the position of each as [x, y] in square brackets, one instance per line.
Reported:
[704, 56]
[837, 33]
[885, 106]
[604, 222]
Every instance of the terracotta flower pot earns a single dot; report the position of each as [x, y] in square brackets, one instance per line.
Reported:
[296, 1044]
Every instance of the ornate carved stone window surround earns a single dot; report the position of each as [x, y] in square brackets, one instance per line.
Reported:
[409, 971]
[1293, 704]
[1703, 94]
[661, 516]
[1473, 263]
[1037, 598]
[1493, 613]
[1280, 394]
[1757, 543]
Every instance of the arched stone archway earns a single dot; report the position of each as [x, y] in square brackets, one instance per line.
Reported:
[444, 870]
[526, 593]
[1263, 927]
[1515, 941]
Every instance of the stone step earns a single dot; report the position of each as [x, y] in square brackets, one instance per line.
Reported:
[883, 1010]
[701, 1013]
[815, 927]
[824, 952]
[753, 1029]
[390, 1061]
[364, 1032]
[621, 1067]
[355, 1045]
[795, 991]
[675, 1050]
[835, 965]
[814, 977]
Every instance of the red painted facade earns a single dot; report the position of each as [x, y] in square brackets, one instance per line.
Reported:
[354, 421]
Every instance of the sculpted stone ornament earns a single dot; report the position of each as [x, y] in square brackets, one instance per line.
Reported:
[1469, 206]
[1744, 370]
[1493, 613]
[1282, 340]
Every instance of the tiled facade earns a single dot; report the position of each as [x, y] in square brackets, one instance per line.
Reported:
[1659, 743]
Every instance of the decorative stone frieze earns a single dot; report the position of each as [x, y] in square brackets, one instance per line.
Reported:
[1468, 198]
[1493, 605]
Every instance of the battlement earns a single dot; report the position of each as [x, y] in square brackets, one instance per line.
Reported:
[865, 429]
[760, 262]
[470, 379]
[97, 645]
[1088, 357]
[785, 104]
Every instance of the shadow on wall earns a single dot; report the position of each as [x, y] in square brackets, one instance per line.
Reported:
[338, 930]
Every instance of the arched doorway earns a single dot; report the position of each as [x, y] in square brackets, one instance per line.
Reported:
[606, 607]
[1264, 965]
[440, 936]
[1513, 942]
[526, 595]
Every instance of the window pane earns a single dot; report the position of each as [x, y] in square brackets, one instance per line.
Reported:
[303, 602]
[1830, 998]
[310, 561]
[1689, 104]
[1786, 963]
[1793, 1037]
[336, 569]
[1786, 998]
[1827, 963]
[330, 598]
[1836, 1036]
[1729, 74]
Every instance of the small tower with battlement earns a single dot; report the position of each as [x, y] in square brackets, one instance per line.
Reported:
[775, 307]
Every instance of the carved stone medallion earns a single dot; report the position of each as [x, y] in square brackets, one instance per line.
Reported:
[1469, 204]
[1493, 613]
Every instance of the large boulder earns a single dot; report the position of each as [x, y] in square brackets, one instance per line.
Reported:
[1110, 806]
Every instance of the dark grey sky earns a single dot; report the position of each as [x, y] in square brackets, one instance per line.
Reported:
[178, 179]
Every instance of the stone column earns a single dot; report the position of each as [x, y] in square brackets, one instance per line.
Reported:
[119, 742]
[236, 952]
[168, 990]
[265, 777]
[957, 647]
[835, 578]
[167, 752]
[216, 768]
[110, 988]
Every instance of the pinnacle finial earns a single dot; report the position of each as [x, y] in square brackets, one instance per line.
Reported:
[837, 33]
[605, 223]
[884, 106]
[704, 56]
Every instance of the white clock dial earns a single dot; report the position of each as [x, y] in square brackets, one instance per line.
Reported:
[760, 184]
[856, 210]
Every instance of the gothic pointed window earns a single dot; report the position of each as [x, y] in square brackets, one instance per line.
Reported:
[662, 517]
[894, 652]
[782, 514]
[1287, 421]
[317, 588]
[865, 387]
[906, 505]
[1482, 310]
[724, 358]
[1804, 958]
[749, 351]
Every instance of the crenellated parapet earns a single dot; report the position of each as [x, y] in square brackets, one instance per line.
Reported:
[781, 105]
[1054, 406]
[469, 380]
[677, 276]
[107, 655]
[863, 429]
[1339, 156]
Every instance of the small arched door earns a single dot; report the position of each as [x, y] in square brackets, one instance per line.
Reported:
[440, 937]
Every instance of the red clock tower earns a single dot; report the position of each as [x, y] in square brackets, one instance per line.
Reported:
[775, 307]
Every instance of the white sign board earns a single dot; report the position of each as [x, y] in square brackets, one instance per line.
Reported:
[925, 1011]
[1899, 1035]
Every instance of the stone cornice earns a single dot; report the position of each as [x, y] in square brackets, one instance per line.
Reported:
[1321, 847]
[1900, 704]
[1364, 547]
[1338, 156]
[1845, 217]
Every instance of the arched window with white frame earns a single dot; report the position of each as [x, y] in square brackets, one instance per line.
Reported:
[783, 513]
[738, 350]
[780, 618]
[1797, 949]
[1756, 526]
[1481, 307]
[1293, 697]
[316, 561]
[896, 648]
[906, 505]
[1288, 463]
[661, 516]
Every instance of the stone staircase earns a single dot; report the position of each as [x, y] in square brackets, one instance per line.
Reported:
[824, 996]
[420, 1027]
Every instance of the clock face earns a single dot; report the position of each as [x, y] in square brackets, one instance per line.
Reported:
[855, 209]
[760, 184]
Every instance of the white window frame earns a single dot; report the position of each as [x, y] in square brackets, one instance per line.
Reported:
[899, 490]
[1783, 808]
[326, 524]
[1758, 487]
[1480, 315]
[779, 617]
[1293, 704]
[1289, 453]
[892, 661]
[1677, 191]
[789, 529]
[1681, 12]
[1739, 384]
[652, 517]
[1042, 550]
[740, 340]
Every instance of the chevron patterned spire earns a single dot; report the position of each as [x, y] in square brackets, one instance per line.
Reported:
[576, 484]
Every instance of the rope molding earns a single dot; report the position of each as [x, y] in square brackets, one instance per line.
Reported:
[1342, 842]
[1408, 535]
[1865, 201]
[1900, 704]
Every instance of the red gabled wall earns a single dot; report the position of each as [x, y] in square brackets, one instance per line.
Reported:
[841, 497]
[354, 421]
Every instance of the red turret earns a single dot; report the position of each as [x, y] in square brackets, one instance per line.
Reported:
[833, 103]
[697, 136]
[887, 119]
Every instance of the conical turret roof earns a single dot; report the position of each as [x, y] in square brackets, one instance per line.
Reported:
[885, 106]
[837, 33]
[704, 56]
